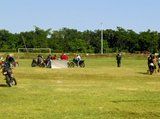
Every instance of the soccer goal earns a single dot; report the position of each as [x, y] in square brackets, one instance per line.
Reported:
[32, 52]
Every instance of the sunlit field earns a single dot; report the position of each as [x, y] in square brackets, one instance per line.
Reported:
[98, 91]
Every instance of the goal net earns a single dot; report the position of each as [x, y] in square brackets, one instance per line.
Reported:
[32, 52]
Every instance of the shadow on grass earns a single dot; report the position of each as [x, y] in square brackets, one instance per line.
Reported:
[144, 73]
[3, 85]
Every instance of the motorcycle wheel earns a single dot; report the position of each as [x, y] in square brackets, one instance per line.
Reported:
[42, 65]
[33, 65]
[82, 65]
[68, 64]
[14, 82]
[151, 71]
[8, 81]
[72, 64]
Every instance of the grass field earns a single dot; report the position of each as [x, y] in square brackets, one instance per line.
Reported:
[98, 91]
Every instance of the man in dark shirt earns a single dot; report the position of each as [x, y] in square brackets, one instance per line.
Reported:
[118, 58]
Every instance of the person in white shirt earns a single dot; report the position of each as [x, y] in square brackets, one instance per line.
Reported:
[78, 59]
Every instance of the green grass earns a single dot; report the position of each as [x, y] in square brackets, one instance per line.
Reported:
[98, 91]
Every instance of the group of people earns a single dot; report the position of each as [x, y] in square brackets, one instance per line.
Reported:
[63, 56]
[40, 61]
[153, 62]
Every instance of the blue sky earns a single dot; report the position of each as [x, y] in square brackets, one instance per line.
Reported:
[23, 15]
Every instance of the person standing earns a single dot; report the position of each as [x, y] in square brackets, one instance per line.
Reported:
[118, 58]
[64, 56]
[155, 63]
[159, 63]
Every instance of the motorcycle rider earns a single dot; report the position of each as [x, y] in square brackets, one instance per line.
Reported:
[77, 59]
[159, 63]
[10, 59]
[150, 60]
[39, 59]
[6, 66]
[151, 64]
[155, 63]
[7, 72]
[48, 61]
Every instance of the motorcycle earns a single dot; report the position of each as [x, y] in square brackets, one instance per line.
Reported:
[36, 63]
[74, 63]
[9, 77]
[151, 68]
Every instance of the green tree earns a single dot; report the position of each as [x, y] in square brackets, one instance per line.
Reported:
[148, 41]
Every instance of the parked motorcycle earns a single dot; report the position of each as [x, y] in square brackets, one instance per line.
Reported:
[36, 63]
[74, 63]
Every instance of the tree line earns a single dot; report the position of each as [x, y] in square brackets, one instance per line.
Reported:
[72, 40]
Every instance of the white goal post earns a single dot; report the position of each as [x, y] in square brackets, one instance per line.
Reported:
[34, 50]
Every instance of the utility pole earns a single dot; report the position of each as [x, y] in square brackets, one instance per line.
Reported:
[101, 38]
